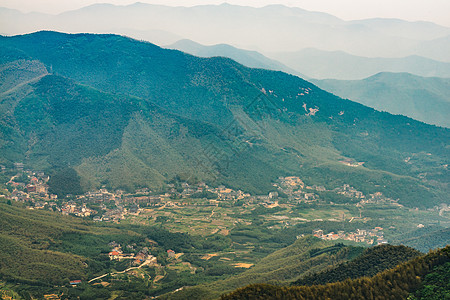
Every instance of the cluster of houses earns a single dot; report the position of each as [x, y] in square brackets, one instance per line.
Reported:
[297, 191]
[378, 198]
[29, 186]
[73, 208]
[137, 259]
[371, 237]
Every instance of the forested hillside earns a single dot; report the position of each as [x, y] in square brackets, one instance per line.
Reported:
[417, 276]
[128, 114]
[422, 98]
[368, 264]
[307, 255]
[41, 252]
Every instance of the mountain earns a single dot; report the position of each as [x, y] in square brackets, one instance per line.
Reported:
[307, 255]
[435, 49]
[422, 98]
[100, 133]
[264, 29]
[41, 251]
[321, 64]
[126, 114]
[425, 238]
[406, 281]
[419, 30]
[247, 58]
[371, 262]
[25, 241]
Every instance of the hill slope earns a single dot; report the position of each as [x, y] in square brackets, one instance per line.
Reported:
[247, 58]
[420, 98]
[35, 249]
[397, 283]
[307, 255]
[36, 261]
[210, 119]
[114, 136]
[425, 238]
[368, 264]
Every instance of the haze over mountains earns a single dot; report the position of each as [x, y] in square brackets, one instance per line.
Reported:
[424, 99]
[251, 28]
[320, 64]
[252, 59]
[192, 168]
[265, 29]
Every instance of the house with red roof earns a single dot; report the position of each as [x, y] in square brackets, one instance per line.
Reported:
[113, 255]
[171, 253]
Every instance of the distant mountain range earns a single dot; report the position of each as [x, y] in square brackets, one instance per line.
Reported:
[340, 65]
[128, 114]
[424, 99]
[273, 28]
[318, 64]
[252, 59]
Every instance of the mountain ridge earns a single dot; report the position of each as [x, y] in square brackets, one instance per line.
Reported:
[252, 59]
[422, 98]
[401, 282]
[320, 64]
[272, 19]
[258, 114]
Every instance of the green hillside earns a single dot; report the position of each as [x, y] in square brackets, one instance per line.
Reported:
[26, 253]
[128, 114]
[423, 277]
[247, 58]
[422, 98]
[307, 255]
[42, 251]
[368, 264]
[425, 238]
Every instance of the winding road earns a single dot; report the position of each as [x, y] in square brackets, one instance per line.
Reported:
[147, 262]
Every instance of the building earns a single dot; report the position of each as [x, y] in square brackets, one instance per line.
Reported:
[171, 253]
[41, 189]
[31, 188]
[273, 195]
[318, 232]
[113, 255]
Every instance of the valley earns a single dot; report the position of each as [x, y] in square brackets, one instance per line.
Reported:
[237, 231]
[215, 122]
[214, 168]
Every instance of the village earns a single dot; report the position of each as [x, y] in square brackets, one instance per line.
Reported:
[31, 188]
[371, 237]
[340, 214]
[149, 207]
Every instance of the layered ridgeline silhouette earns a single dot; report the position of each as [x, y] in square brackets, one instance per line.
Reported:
[403, 91]
[421, 98]
[244, 27]
[125, 114]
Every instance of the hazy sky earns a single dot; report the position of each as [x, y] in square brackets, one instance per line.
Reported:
[437, 11]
